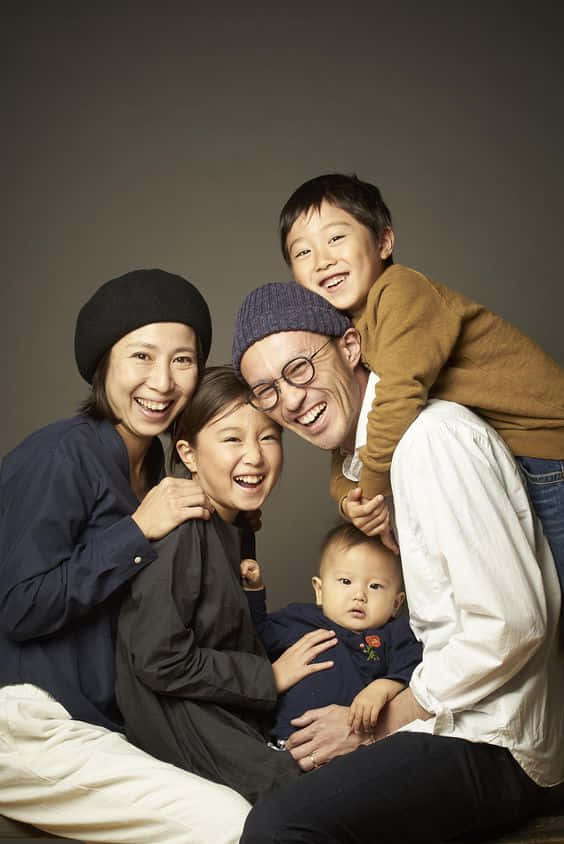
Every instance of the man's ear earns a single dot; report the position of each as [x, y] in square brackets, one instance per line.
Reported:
[350, 344]
[316, 583]
[186, 454]
[398, 601]
[387, 243]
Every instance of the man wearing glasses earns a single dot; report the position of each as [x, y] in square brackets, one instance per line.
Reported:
[483, 716]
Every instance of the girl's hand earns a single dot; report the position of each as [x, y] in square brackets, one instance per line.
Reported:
[170, 503]
[251, 577]
[296, 662]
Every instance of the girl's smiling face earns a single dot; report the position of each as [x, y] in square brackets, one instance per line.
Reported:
[236, 457]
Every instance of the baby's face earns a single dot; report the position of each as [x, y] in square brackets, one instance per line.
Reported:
[360, 587]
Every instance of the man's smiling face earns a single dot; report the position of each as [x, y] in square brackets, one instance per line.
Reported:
[325, 411]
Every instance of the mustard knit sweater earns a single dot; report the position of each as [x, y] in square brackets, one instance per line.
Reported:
[427, 341]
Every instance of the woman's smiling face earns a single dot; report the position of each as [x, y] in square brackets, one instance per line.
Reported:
[237, 458]
[152, 374]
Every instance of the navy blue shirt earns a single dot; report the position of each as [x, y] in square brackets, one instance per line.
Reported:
[68, 545]
[391, 651]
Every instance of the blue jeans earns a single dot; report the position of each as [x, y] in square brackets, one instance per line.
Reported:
[545, 484]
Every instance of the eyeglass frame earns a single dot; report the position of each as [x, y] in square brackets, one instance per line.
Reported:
[274, 383]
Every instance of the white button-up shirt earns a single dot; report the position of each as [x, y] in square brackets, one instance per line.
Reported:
[482, 590]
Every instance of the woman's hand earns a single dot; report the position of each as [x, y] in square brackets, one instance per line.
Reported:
[323, 734]
[170, 503]
[296, 662]
[251, 577]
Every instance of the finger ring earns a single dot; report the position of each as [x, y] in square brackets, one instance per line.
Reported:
[313, 762]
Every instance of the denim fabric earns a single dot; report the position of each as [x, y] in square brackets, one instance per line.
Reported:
[545, 484]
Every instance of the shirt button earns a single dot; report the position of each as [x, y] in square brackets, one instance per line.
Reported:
[137, 559]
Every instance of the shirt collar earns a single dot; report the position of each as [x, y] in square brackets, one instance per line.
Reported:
[352, 464]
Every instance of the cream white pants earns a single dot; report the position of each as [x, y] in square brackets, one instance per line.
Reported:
[81, 781]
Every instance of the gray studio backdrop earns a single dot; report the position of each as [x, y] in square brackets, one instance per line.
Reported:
[170, 134]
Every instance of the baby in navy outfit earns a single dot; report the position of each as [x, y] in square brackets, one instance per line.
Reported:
[359, 593]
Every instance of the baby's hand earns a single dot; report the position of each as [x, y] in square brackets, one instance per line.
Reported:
[366, 706]
[251, 578]
[371, 516]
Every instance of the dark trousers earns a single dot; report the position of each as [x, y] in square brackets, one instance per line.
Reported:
[410, 787]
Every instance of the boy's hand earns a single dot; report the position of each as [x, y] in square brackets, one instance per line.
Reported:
[371, 516]
[251, 577]
[296, 662]
[368, 703]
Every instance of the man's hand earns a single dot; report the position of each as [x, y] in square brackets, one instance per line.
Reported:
[368, 703]
[371, 516]
[296, 662]
[251, 577]
[323, 734]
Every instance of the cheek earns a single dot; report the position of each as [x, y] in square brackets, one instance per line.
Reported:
[276, 464]
[298, 271]
[188, 387]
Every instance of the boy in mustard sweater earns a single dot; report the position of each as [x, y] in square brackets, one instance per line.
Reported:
[422, 340]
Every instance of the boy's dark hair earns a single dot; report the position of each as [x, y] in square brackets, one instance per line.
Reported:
[361, 200]
[96, 404]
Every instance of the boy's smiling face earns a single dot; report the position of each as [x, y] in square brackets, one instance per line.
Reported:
[334, 255]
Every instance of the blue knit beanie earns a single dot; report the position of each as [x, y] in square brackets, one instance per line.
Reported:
[283, 306]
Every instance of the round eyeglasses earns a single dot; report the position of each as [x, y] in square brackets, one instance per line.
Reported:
[297, 372]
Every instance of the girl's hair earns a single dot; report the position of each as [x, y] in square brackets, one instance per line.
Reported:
[96, 404]
[218, 390]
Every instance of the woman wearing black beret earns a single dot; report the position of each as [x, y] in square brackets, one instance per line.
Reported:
[81, 501]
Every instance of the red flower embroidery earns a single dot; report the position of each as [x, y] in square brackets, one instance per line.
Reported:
[368, 648]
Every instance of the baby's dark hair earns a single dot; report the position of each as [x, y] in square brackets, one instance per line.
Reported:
[348, 536]
[361, 200]
[219, 389]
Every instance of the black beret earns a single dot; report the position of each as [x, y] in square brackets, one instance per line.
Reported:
[130, 301]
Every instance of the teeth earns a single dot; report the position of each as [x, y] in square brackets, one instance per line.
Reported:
[335, 279]
[153, 405]
[312, 415]
[250, 479]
